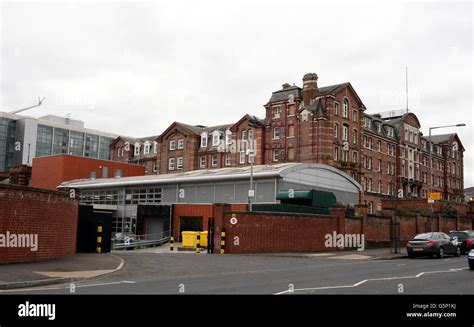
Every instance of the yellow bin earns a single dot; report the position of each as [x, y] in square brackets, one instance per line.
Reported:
[189, 239]
[203, 239]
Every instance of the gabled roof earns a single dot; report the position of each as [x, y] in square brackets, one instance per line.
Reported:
[442, 138]
[253, 120]
[317, 108]
[284, 93]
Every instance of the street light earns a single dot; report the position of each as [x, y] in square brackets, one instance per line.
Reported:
[431, 165]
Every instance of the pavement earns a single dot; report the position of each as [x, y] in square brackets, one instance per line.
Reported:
[342, 272]
[54, 271]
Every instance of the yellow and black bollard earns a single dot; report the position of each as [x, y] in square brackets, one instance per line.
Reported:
[198, 243]
[171, 243]
[223, 241]
[99, 239]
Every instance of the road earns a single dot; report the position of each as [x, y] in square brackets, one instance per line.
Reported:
[152, 273]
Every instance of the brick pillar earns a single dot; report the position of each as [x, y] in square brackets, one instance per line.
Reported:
[218, 211]
[339, 212]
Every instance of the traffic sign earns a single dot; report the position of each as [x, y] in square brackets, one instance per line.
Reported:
[434, 196]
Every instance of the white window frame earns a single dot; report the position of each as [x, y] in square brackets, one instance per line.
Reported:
[241, 157]
[228, 137]
[336, 153]
[155, 147]
[336, 108]
[204, 140]
[345, 155]
[154, 166]
[180, 144]
[243, 135]
[179, 163]
[276, 112]
[216, 138]
[336, 130]
[172, 145]
[136, 149]
[354, 136]
[171, 162]
[355, 113]
[251, 134]
[146, 147]
[275, 136]
[345, 108]
[214, 161]
[202, 162]
[355, 157]
[228, 159]
[345, 133]
[276, 155]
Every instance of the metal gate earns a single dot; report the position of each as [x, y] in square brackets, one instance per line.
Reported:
[395, 237]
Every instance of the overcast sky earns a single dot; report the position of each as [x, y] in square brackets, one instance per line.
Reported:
[134, 68]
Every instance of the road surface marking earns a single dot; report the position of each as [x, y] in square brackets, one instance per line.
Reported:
[371, 280]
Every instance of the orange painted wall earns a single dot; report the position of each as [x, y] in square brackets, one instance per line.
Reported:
[49, 172]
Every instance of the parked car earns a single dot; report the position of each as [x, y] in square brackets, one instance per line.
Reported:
[465, 239]
[470, 259]
[432, 244]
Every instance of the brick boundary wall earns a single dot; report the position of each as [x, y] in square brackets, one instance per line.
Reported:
[267, 232]
[52, 215]
[272, 232]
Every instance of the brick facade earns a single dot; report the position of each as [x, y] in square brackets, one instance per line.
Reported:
[386, 154]
[49, 214]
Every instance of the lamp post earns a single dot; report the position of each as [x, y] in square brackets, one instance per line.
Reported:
[251, 154]
[431, 165]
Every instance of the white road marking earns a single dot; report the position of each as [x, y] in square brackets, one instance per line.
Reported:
[371, 280]
[65, 287]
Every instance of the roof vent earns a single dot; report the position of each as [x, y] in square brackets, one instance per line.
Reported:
[286, 85]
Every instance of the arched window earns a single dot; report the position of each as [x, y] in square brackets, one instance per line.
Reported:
[345, 108]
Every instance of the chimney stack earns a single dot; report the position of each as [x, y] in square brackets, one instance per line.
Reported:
[310, 87]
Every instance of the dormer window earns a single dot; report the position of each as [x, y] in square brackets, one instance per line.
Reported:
[204, 140]
[136, 149]
[228, 137]
[291, 98]
[216, 137]
[146, 147]
[390, 131]
[379, 128]
[367, 123]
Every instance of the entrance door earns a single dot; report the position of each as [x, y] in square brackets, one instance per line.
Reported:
[189, 224]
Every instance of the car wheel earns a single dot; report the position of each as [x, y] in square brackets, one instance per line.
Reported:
[441, 253]
[471, 267]
[411, 255]
[458, 252]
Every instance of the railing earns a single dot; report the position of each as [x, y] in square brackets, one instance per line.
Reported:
[142, 241]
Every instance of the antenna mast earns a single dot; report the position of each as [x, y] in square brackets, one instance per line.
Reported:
[406, 84]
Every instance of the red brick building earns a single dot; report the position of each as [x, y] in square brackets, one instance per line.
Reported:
[387, 155]
[48, 172]
[139, 151]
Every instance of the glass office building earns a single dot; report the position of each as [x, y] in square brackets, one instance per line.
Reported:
[23, 138]
[7, 143]
[51, 140]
